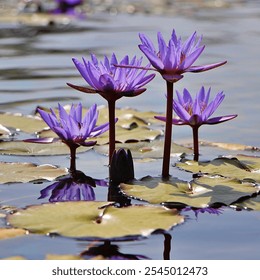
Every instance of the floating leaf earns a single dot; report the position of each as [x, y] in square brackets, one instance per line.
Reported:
[252, 203]
[122, 134]
[15, 258]
[223, 190]
[92, 220]
[227, 167]
[6, 233]
[202, 192]
[35, 19]
[156, 190]
[252, 162]
[127, 117]
[28, 123]
[153, 149]
[230, 146]
[27, 172]
[36, 149]
[62, 257]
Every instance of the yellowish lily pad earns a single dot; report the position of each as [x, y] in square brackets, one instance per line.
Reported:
[37, 149]
[245, 169]
[23, 172]
[26, 123]
[6, 233]
[146, 149]
[202, 192]
[94, 220]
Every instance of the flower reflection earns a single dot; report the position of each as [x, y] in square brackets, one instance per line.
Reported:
[109, 252]
[197, 211]
[75, 187]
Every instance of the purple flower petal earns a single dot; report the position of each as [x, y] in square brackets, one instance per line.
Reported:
[71, 128]
[153, 58]
[221, 119]
[197, 112]
[203, 68]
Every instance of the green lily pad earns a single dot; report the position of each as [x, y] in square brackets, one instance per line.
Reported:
[230, 146]
[139, 133]
[36, 149]
[62, 257]
[145, 149]
[252, 162]
[156, 190]
[26, 123]
[23, 172]
[91, 220]
[34, 19]
[228, 167]
[6, 233]
[252, 203]
[201, 192]
[128, 117]
[14, 258]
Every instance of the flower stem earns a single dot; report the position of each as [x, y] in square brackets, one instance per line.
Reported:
[168, 131]
[195, 130]
[112, 129]
[72, 158]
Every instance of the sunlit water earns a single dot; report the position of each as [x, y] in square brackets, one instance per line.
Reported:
[36, 64]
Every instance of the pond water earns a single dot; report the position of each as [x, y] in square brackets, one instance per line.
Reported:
[36, 65]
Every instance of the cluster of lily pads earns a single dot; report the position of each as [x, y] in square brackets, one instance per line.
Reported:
[72, 210]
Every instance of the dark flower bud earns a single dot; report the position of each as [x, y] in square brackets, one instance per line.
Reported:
[122, 167]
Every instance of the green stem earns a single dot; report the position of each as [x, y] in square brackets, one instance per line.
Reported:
[168, 132]
[112, 129]
[195, 130]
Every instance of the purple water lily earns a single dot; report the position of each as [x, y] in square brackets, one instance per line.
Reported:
[112, 83]
[196, 112]
[72, 128]
[172, 60]
[176, 58]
